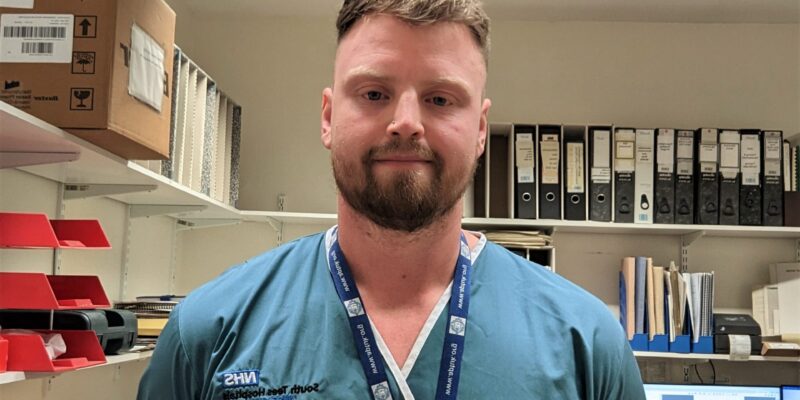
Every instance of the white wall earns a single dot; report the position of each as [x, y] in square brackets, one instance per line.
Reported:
[15, 187]
[645, 75]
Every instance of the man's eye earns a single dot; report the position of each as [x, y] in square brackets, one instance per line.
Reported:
[374, 95]
[439, 101]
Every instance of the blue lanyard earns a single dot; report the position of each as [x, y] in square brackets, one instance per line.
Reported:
[453, 349]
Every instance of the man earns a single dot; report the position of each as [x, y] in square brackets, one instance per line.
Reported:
[397, 301]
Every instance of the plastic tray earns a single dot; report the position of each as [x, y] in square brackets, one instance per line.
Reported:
[37, 291]
[28, 353]
[36, 231]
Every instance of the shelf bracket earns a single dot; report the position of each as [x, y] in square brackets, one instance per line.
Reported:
[187, 224]
[82, 191]
[277, 226]
[686, 242]
[61, 209]
[149, 210]
[126, 252]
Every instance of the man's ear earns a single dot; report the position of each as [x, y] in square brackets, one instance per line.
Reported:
[325, 120]
[483, 128]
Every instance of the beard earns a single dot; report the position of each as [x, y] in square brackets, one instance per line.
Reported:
[407, 200]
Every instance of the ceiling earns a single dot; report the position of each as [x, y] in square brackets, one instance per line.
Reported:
[692, 11]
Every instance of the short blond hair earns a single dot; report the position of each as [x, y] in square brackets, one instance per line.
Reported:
[421, 12]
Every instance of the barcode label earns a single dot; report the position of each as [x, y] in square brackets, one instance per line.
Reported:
[35, 32]
[36, 38]
[37, 48]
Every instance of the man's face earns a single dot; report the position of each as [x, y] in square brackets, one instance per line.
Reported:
[405, 120]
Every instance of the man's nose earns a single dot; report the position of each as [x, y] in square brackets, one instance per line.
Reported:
[407, 118]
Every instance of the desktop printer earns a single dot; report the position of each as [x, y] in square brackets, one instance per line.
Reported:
[736, 324]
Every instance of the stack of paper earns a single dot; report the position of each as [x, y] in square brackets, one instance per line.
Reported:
[654, 300]
[676, 301]
[700, 294]
[786, 278]
[765, 309]
[519, 239]
[152, 315]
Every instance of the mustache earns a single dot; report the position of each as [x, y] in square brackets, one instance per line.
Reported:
[397, 146]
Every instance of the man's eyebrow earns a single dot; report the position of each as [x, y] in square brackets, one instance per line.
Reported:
[449, 81]
[366, 73]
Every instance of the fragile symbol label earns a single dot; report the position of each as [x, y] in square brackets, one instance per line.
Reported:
[81, 99]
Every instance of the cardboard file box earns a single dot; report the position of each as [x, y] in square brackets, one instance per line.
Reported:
[99, 69]
[659, 343]
[704, 345]
[680, 345]
[116, 329]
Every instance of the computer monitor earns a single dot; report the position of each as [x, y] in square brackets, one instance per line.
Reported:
[711, 392]
[790, 393]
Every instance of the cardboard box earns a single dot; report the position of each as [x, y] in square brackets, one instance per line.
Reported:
[96, 68]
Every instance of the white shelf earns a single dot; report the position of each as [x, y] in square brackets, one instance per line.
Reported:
[20, 131]
[24, 141]
[697, 356]
[638, 229]
[289, 217]
[16, 376]
[557, 226]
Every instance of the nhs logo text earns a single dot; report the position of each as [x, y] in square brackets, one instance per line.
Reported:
[240, 378]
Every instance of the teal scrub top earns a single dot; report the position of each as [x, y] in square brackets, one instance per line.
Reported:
[274, 328]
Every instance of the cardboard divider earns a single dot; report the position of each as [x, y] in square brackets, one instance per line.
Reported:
[659, 343]
[35, 230]
[705, 345]
[26, 231]
[37, 291]
[681, 344]
[27, 352]
[639, 342]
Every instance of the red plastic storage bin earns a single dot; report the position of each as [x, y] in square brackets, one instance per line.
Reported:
[3, 354]
[28, 353]
[37, 291]
[33, 231]
[26, 231]
[80, 233]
